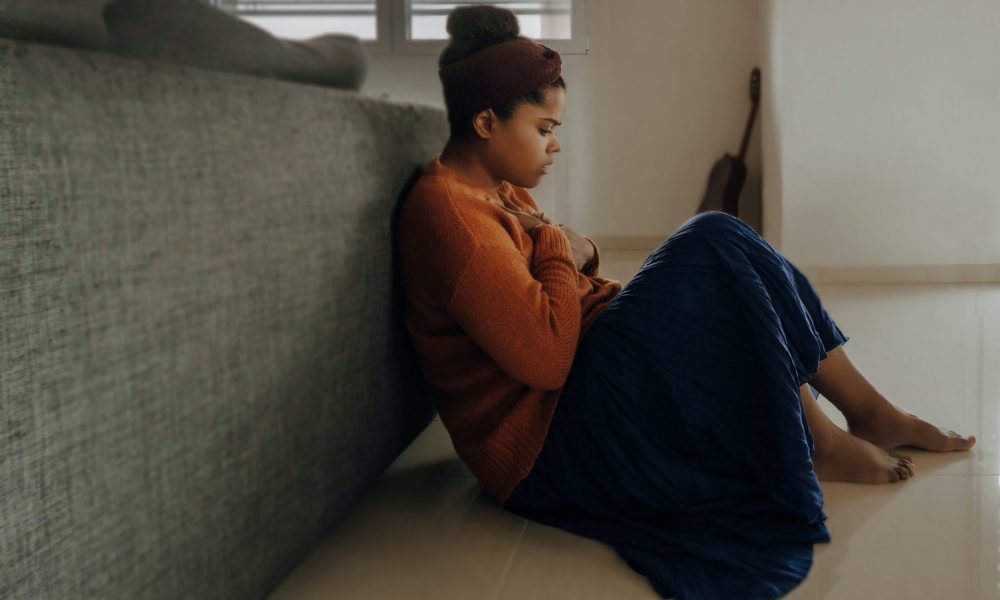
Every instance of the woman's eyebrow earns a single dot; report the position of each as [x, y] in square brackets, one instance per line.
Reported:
[551, 120]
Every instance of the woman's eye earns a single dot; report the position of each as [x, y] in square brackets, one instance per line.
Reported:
[544, 131]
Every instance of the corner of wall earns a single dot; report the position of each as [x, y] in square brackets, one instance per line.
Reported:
[770, 52]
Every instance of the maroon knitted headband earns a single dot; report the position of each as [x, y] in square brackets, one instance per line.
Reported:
[497, 74]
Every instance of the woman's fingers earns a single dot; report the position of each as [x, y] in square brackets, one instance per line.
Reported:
[510, 205]
[526, 220]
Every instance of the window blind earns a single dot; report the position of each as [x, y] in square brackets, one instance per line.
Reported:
[518, 7]
[296, 8]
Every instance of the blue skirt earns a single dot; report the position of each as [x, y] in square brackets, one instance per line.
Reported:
[679, 438]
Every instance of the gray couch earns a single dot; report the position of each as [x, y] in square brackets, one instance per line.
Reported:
[202, 358]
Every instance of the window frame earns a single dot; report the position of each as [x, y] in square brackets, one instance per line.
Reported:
[578, 44]
[391, 27]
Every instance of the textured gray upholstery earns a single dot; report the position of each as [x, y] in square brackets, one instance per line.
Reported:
[70, 22]
[202, 359]
[188, 32]
[191, 32]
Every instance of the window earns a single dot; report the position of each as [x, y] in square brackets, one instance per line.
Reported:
[548, 19]
[307, 18]
[407, 27]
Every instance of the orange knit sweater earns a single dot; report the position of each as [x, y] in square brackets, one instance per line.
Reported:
[496, 315]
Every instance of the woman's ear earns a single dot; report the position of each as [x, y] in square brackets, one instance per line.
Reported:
[483, 123]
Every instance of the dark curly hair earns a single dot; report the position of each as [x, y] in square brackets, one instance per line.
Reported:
[472, 28]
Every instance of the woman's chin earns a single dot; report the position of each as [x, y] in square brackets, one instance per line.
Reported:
[526, 183]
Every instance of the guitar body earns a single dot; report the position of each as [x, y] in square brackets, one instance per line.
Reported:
[729, 173]
[733, 190]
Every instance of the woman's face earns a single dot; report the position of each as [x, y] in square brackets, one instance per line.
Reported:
[521, 148]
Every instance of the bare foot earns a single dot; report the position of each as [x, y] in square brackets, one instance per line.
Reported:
[843, 457]
[888, 427]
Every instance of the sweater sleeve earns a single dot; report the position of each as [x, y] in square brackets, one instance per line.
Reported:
[526, 317]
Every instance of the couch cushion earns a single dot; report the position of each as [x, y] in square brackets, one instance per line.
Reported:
[69, 22]
[202, 358]
[194, 33]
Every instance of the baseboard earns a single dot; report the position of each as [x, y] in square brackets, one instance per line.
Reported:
[628, 242]
[874, 274]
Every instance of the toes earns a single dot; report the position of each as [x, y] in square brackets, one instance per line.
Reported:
[904, 456]
[959, 442]
[904, 467]
[946, 440]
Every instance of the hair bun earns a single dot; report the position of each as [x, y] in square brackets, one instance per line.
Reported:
[482, 21]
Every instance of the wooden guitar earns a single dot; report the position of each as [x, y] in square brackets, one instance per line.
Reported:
[725, 182]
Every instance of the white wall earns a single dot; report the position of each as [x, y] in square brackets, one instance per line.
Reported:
[876, 144]
[662, 94]
[882, 147]
[770, 126]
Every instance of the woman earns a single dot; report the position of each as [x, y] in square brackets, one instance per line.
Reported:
[674, 418]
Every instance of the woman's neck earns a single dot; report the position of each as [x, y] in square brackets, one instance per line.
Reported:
[464, 160]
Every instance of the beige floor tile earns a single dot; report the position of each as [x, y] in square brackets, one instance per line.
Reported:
[922, 346]
[989, 361]
[923, 538]
[414, 536]
[552, 564]
[429, 530]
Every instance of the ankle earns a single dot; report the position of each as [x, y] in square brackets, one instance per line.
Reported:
[825, 440]
[871, 412]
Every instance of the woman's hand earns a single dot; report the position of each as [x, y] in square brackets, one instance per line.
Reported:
[542, 216]
[528, 221]
[583, 251]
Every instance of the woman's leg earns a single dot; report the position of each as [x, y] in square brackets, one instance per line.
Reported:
[870, 416]
[841, 456]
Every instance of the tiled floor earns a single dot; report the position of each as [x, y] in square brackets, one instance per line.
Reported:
[429, 531]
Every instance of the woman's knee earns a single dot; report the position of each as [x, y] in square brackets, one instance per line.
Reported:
[704, 227]
[715, 222]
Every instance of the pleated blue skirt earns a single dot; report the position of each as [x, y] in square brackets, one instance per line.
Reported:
[679, 438]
